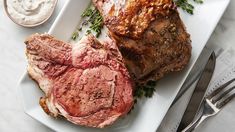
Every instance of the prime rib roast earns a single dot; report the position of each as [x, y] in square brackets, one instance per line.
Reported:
[91, 83]
[150, 36]
[87, 83]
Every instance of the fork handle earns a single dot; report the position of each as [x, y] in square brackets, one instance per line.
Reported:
[194, 124]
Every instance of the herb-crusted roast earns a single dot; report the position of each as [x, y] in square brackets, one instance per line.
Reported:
[150, 35]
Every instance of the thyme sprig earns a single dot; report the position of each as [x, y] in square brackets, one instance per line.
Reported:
[95, 19]
[91, 17]
[75, 35]
[145, 90]
[186, 6]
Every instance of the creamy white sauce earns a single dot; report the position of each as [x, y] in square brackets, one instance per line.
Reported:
[30, 12]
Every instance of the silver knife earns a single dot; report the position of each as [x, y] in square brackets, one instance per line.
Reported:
[198, 93]
[194, 73]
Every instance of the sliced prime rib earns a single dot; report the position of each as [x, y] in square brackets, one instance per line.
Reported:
[87, 82]
[150, 35]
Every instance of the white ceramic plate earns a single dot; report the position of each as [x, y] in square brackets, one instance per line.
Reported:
[148, 113]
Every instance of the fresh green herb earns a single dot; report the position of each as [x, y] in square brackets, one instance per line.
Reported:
[198, 1]
[143, 90]
[88, 32]
[80, 29]
[95, 20]
[75, 35]
[88, 12]
[92, 18]
[185, 5]
[146, 90]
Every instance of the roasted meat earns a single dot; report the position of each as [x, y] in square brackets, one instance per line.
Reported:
[87, 82]
[150, 35]
[131, 18]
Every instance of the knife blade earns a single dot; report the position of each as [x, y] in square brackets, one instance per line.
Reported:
[194, 73]
[198, 93]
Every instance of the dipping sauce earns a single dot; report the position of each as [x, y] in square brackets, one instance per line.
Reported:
[30, 12]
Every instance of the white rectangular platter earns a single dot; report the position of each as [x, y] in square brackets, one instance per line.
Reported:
[148, 113]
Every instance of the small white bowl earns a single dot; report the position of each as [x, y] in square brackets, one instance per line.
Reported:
[27, 25]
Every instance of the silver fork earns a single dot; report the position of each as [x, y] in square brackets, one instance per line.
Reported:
[212, 104]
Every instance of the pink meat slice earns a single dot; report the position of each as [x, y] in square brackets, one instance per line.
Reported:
[87, 82]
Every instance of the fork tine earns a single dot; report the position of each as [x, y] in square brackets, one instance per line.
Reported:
[222, 95]
[220, 88]
[224, 102]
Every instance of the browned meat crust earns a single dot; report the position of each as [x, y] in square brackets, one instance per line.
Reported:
[164, 46]
[130, 18]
